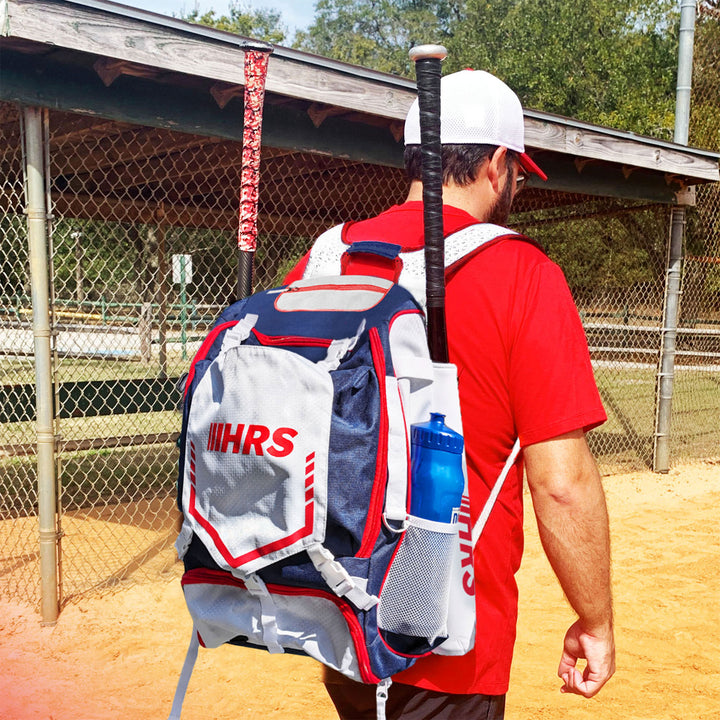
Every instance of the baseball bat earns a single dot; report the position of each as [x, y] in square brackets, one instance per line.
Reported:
[428, 60]
[256, 56]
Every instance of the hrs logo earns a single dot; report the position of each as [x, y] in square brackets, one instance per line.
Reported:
[250, 439]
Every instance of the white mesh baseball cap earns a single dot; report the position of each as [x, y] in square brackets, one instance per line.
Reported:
[476, 108]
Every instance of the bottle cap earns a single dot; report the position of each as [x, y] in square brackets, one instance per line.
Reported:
[436, 435]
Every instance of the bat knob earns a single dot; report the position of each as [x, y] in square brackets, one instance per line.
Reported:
[256, 46]
[422, 52]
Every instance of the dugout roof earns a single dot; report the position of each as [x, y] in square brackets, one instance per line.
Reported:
[120, 66]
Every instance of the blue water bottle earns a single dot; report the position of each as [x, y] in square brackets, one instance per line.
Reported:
[437, 479]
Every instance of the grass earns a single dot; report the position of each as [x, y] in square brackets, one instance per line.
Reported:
[121, 474]
[628, 393]
[21, 371]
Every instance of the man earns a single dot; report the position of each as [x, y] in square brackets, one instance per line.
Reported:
[524, 371]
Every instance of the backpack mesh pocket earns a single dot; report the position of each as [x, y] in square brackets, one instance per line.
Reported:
[414, 600]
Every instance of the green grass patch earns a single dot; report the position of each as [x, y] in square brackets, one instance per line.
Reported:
[19, 371]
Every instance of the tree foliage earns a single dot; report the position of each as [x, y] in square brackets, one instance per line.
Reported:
[243, 20]
[705, 106]
[610, 62]
[378, 33]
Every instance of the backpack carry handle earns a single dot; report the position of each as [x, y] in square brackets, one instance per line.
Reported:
[428, 59]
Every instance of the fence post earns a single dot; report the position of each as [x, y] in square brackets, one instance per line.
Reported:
[40, 290]
[666, 369]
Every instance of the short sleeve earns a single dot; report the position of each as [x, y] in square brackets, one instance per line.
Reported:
[296, 273]
[552, 385]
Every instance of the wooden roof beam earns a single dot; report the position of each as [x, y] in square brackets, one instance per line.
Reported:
[319, 112]
[223, 93]
[110, 70]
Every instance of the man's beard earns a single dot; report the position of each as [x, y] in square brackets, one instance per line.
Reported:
[500, 211]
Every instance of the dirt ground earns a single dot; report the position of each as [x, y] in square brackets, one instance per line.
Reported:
[118, 655]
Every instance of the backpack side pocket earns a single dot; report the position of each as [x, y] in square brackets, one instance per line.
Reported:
[415, 596]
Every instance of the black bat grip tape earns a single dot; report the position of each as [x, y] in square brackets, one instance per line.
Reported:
[428, 72]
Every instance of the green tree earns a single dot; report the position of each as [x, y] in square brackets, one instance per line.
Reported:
[703, 230]
[378, 33]
[243, 20]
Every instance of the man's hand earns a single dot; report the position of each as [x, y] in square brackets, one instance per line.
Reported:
[598, 649]
[569, 504]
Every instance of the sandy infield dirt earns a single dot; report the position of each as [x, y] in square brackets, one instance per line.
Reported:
[118, 654]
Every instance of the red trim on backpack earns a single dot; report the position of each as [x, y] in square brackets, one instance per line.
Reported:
[290, 340]
[370, 264]
[205, 348]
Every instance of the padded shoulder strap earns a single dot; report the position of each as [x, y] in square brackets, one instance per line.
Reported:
[326, 253]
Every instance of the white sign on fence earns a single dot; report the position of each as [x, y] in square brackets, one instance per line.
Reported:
[182, 263]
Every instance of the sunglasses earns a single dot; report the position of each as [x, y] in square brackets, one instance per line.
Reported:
[520, 181]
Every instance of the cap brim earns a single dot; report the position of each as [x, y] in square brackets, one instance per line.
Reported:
[529, 165]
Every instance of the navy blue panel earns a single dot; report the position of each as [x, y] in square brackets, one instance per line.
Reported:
[372, 247]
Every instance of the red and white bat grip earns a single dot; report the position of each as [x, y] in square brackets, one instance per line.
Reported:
[256, 63]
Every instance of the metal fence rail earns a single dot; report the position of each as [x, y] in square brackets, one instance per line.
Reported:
[124, 325]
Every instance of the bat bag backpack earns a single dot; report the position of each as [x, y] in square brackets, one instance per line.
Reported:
[294, 479]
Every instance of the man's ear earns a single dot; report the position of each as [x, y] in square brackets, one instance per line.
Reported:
[497, 166]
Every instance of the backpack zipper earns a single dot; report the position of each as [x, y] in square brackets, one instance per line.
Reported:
[377, 496]
[290, 340]
[339, 288]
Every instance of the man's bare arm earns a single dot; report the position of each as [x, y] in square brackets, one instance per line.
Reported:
[569, 504]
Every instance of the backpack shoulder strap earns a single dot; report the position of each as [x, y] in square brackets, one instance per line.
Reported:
[185, 675]
[460, 247]
[325, 257]
[490, 502]
[463, 245]
[326, 253]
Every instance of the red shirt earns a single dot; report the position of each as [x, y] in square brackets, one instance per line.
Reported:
[524, 371]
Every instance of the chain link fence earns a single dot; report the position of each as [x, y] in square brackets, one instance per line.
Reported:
[19, 555]
[142, 248]
[614, 257]
[142, 234]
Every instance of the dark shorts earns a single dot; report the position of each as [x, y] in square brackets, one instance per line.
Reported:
[355, 701]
